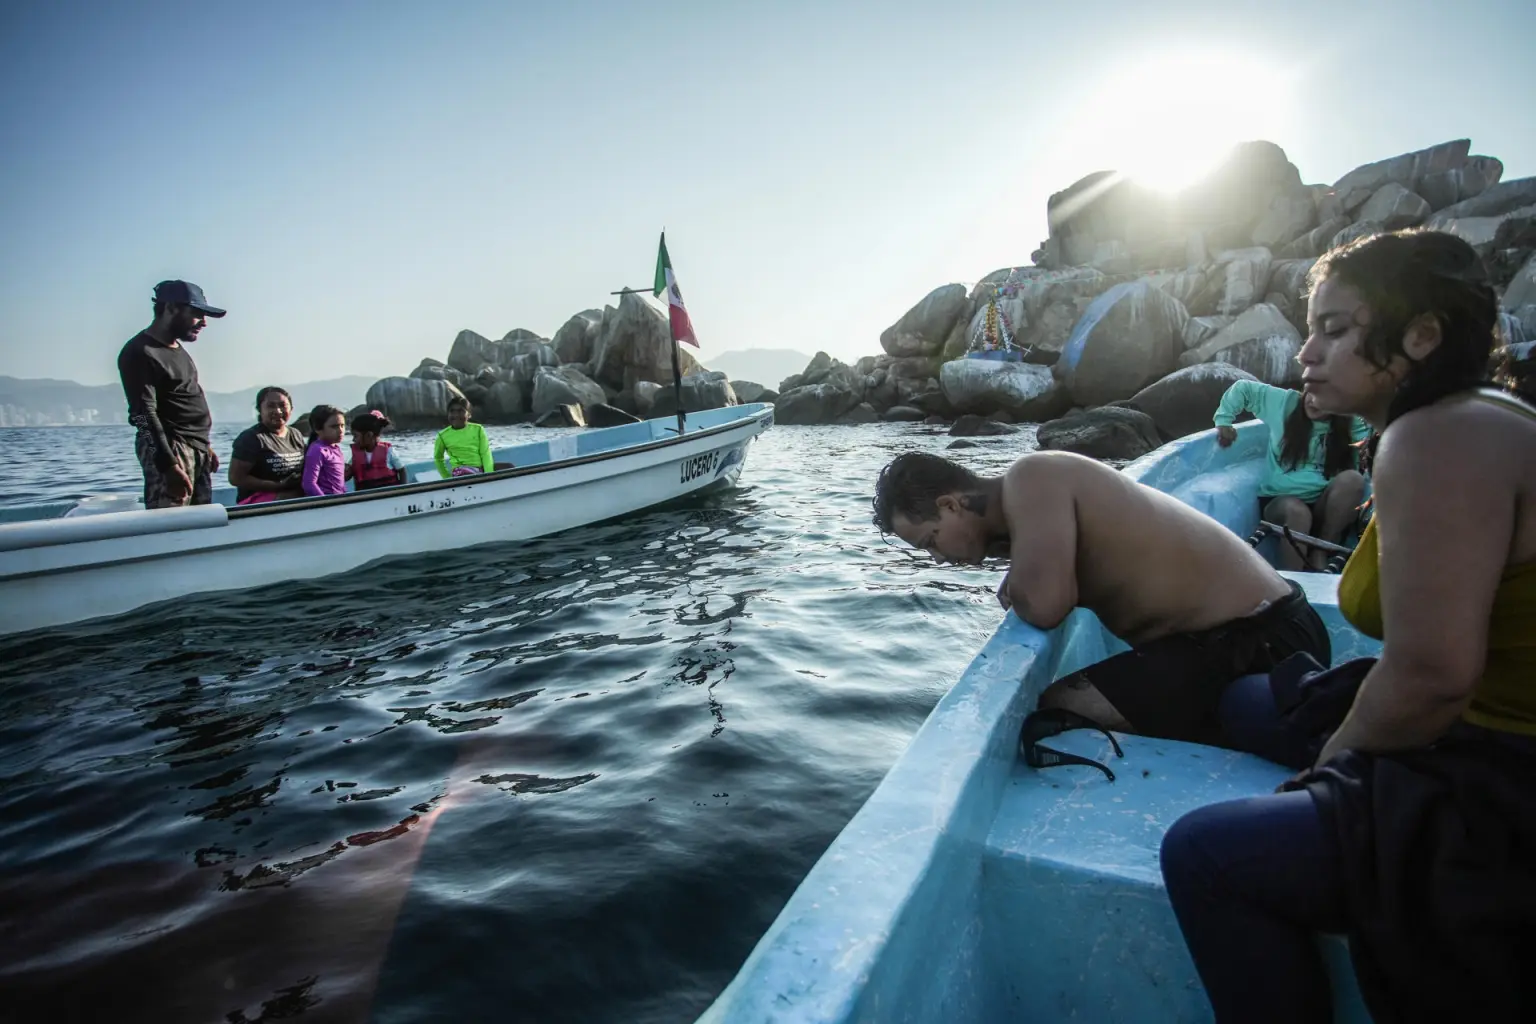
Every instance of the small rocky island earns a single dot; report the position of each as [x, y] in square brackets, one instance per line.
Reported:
[1137, 312]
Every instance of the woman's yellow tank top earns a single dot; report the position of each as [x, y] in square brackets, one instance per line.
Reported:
[1505, 698]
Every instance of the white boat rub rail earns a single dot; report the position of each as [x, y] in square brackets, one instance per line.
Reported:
[47, 532]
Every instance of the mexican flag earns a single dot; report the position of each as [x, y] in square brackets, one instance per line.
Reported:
[666, 281]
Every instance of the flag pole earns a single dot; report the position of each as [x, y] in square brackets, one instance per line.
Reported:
[677, 368]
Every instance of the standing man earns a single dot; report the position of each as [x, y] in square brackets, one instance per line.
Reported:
[166, 402]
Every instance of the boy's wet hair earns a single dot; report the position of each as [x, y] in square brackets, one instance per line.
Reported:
[458, 402]
[912, 484]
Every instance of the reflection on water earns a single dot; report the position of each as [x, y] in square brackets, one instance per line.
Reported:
[567, 780]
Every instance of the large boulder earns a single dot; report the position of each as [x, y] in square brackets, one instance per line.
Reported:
[1500, 198]
[813, 403]
[502, 402]
[1394, 207]
[562, 416]
[1184, 401]
[1128, 338]
[524, 364]
[923, 329]
[635, 344]
[1290, 215]
[1109, 221]
[1241, 278]
[748, 391]
[1486, 234]
[575, 339]
[1110, 432]
[1261, 341]
[564, 385]
[707, 389]
[1200, 329]
[860, 414]
[1027, 392]
[472, 352]
[1408, 169]
[1315, 242]
[970, 425]
[645, 393]
[412, 403]
[1522, 290]
[903, 414]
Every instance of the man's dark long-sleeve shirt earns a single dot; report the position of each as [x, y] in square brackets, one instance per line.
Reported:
[165, 400]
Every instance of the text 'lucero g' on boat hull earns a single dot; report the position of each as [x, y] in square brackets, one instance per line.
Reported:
[55, 571]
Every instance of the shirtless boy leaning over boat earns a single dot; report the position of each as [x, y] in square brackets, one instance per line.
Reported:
[1198, 606]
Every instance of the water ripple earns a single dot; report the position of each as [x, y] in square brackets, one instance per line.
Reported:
[567, 780]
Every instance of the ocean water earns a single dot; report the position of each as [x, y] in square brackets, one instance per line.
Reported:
[567, 780]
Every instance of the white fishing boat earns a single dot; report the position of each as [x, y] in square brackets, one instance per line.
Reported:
[70, 562]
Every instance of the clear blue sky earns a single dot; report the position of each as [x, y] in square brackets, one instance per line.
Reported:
[358, 181]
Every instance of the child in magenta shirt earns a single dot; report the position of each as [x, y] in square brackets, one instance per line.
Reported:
[324, 465]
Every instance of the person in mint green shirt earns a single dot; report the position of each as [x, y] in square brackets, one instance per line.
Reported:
[1311, 483]
[462, 447]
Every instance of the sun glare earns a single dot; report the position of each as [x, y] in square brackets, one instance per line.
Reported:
[1168, 120]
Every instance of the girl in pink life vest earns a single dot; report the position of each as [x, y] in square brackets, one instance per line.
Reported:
[374, 463]
[324, 465]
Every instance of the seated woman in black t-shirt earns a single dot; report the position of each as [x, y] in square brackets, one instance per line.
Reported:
[268, 458]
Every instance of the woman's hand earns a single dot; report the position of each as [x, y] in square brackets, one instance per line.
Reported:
[1226, 435]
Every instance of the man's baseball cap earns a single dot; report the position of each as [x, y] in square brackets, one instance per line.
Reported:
[187, 294]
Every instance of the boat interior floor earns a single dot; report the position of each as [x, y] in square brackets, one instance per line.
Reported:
[1070, 873]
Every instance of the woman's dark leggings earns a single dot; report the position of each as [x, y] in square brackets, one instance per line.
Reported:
[1253, 882]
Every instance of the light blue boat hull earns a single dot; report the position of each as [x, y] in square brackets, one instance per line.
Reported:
[972, 888]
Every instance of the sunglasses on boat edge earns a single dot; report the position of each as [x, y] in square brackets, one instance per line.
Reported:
[1052, 722]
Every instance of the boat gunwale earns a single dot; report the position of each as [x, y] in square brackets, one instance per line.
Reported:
[237, 512]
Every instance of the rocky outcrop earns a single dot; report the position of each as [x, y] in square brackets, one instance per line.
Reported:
[1108, 433]
[979, 426]
[562, 416]
[576, 338]
[1261, 341]
[903, 414]
[924, 328]
[635, 344]
[1028, 393]
[1184, 401]
[1394, 207]
[813, 403]
[708, 389]
[748, 392]
[1128, 338]
[564, 385]
[861, 413]
[412, 403]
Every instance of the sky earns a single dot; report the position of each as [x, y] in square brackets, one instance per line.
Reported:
[358, 181]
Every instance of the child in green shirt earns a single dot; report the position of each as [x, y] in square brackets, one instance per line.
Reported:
[465, 445]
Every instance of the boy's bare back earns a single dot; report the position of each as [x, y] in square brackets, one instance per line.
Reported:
[1147, 564]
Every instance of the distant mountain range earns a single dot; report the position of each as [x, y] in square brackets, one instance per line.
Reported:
[766, 366]
[63, 403]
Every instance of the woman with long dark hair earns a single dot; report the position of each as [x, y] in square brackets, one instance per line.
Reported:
[1312, 484]
[1414, 832]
